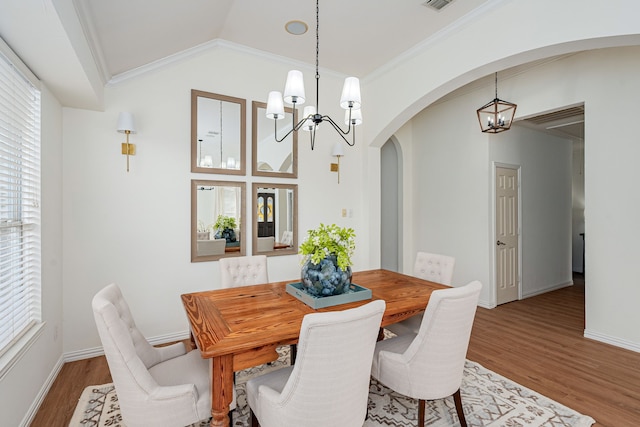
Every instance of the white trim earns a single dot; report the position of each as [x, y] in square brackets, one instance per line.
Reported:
[205, 47]
[35, 405]
[615, 341]
[17, 62]
[98, 351]
[447, 31]
[20, 348]
[548, 289]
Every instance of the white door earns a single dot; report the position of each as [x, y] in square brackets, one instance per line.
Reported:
[507, 234]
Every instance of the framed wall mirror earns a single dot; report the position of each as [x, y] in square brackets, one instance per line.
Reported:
[275, 219]
[217, 226]
[271, 158]
[218, 133]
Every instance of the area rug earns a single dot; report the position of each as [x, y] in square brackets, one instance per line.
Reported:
[489, 400]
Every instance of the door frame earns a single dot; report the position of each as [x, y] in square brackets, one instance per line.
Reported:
[493, 294]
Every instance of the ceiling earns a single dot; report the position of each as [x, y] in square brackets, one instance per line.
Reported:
[356, 36]
[83, 45]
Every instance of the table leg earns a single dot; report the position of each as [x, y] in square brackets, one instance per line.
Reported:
[221, 390]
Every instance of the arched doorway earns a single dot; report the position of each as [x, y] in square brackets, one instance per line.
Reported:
[391, 206]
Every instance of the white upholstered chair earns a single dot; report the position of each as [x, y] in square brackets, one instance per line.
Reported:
[329, 383]
[266, 244]
[435, 268]
[429, 365]
[287, 238]
[211, 247]
[243, 271]
[165, 386]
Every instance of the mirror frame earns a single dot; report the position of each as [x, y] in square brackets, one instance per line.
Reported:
[195, 183]
[254, 194]
[195, 167]
[255, 137]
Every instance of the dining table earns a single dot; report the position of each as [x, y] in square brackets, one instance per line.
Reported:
[238, 328]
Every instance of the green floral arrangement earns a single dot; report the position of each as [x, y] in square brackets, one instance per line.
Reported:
[224, 222]
[329, 240]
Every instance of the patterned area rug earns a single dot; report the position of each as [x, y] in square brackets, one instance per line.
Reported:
[489, 400]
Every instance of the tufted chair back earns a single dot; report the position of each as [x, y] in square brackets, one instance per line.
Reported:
[434, 267]
[329, 383]
[243, 271]
[429, 365]
[166, 385]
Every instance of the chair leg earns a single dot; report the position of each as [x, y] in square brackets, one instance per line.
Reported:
[254, 420]
[420, 412]
[293, 349]
[458, 401]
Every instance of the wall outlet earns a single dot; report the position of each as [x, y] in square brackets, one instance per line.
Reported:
[344, 213]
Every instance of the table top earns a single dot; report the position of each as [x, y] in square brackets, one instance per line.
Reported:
[236, 320]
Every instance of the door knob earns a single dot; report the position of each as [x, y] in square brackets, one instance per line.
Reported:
[500, 243]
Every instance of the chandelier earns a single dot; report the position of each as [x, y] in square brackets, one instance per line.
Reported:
[497, 115]
[294, 95]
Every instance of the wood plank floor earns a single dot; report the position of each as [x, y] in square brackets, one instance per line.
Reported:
[536, 342]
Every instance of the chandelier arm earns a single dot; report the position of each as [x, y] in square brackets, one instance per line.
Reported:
[294, 127]
[341, 132]
[337, 126]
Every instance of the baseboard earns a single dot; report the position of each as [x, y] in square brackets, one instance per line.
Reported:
[615, 341]
[35, 405]
[98, 351]
[547, 289]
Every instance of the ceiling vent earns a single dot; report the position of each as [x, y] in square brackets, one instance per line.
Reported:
[437, 4]
[573, 114]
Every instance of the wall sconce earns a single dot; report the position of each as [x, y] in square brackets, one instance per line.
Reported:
[127, 126]
[337, 152]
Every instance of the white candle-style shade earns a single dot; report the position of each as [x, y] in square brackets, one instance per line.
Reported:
[126, 123]
[275, 107]
[350, 93]
[337, 151]
[356, 117]
[294, 88]
[309, 110]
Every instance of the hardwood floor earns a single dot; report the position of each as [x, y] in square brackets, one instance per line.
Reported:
[536, 342]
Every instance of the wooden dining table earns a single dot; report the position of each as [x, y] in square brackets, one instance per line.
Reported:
[238, 328]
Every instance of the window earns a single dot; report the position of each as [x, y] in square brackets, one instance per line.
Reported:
[19, 204]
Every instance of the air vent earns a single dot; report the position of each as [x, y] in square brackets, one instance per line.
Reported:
[576, 113]
[437, 4]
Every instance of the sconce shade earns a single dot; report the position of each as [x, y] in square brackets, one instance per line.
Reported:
[294, 88]
[275, 107]
[350, 93]
[337, 151]
[356, 117]
[126, 123]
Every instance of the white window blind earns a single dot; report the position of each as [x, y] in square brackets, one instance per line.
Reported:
[19, 204]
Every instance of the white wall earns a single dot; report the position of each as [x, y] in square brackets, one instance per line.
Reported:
[133, 228]
[449, 151]
[36, 370]
[545, 191]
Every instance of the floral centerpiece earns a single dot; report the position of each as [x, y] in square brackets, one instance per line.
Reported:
[326, 268]
[225, 228]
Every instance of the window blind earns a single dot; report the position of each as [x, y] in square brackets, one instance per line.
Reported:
[19, 204]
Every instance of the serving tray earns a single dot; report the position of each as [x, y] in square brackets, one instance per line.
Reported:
[355, 293]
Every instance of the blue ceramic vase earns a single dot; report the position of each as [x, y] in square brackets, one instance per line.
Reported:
[326, 278]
